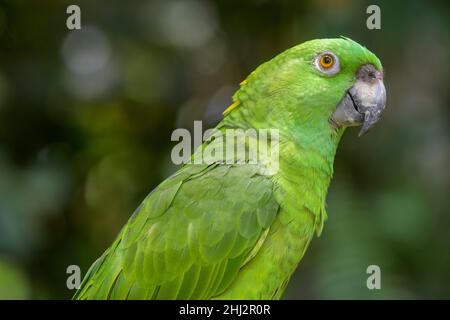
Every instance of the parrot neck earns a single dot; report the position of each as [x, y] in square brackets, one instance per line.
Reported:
[306, 155]
[306, 169]
[306, 144]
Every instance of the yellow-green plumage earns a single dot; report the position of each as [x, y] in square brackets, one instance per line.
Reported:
[231, 231]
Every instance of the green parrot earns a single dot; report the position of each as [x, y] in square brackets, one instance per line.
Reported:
[232, 229]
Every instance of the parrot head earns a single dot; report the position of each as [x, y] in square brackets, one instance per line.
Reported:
[324, 83]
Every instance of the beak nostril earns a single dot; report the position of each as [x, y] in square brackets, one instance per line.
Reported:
[369, 73]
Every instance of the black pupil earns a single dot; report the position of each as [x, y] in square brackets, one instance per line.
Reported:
[327, 60]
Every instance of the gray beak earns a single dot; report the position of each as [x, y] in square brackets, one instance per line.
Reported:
[363, 103]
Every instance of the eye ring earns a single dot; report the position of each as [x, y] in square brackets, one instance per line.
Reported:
[327, 62]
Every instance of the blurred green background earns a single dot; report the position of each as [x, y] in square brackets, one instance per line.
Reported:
[86, 118]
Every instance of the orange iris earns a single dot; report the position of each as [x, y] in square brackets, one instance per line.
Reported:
[326, 61]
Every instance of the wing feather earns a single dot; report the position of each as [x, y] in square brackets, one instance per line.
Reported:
[190, 236]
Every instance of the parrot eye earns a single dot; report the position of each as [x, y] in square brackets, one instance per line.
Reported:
[327, 63]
